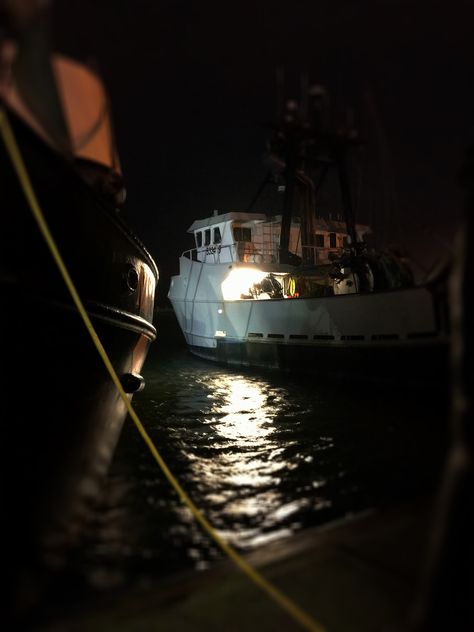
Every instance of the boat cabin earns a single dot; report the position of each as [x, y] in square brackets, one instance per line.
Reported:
[255, 237]
[230, 237]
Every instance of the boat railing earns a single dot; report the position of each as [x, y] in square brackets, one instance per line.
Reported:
[212, 254]
[238, 251]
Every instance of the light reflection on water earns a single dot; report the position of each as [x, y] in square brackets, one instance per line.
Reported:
[244, 471]
[262, 455]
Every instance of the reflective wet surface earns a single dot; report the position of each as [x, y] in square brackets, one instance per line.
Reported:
[263, 455]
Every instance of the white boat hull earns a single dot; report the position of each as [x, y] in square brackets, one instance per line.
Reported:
[400, 330]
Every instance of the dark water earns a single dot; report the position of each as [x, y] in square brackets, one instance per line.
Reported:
[263, 455]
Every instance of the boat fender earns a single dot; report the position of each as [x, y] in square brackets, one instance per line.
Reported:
[132, 382]
[291, 287]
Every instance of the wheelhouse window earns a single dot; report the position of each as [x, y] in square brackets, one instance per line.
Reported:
[332, 240]
[242, 234]
[217, 235]
[199, 239]
[319, 240]
[207, 237]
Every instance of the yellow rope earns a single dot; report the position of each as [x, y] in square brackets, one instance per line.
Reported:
[287, 604]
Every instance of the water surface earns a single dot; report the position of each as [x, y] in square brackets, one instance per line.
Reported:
[263, 455]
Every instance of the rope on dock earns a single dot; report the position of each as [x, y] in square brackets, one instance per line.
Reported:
[304, 619]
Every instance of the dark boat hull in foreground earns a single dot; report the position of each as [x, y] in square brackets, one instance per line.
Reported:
[63, 412]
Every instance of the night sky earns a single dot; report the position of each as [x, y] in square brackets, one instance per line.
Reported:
[192, 88]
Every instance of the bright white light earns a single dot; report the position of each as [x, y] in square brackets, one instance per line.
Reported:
[246, 413]
[239, 282]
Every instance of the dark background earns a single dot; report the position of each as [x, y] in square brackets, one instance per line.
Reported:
[193, 92]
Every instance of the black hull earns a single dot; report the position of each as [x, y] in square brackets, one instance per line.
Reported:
[419, 365]
[63, 413]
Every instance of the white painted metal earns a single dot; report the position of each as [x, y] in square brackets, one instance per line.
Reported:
[197, 299]
[399, 317]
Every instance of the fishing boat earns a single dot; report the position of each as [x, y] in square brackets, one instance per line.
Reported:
[297, 291]
[62, 413]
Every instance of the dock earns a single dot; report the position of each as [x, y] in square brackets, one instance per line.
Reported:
[359, 574]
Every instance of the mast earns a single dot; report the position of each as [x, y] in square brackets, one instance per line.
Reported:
[329, 148]
[305, 139]
[291, 161]
[341, 161]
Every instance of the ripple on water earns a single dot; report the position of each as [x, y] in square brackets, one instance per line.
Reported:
[263, 456]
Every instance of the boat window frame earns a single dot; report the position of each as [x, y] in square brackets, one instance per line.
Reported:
[332, 240]
[198, 239]
[239, 232]
[216, 237]
[207, 237]
[319, 240]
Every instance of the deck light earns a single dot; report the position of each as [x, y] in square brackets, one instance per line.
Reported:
[239, 282]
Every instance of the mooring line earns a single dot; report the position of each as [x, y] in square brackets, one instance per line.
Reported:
[304, 619]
